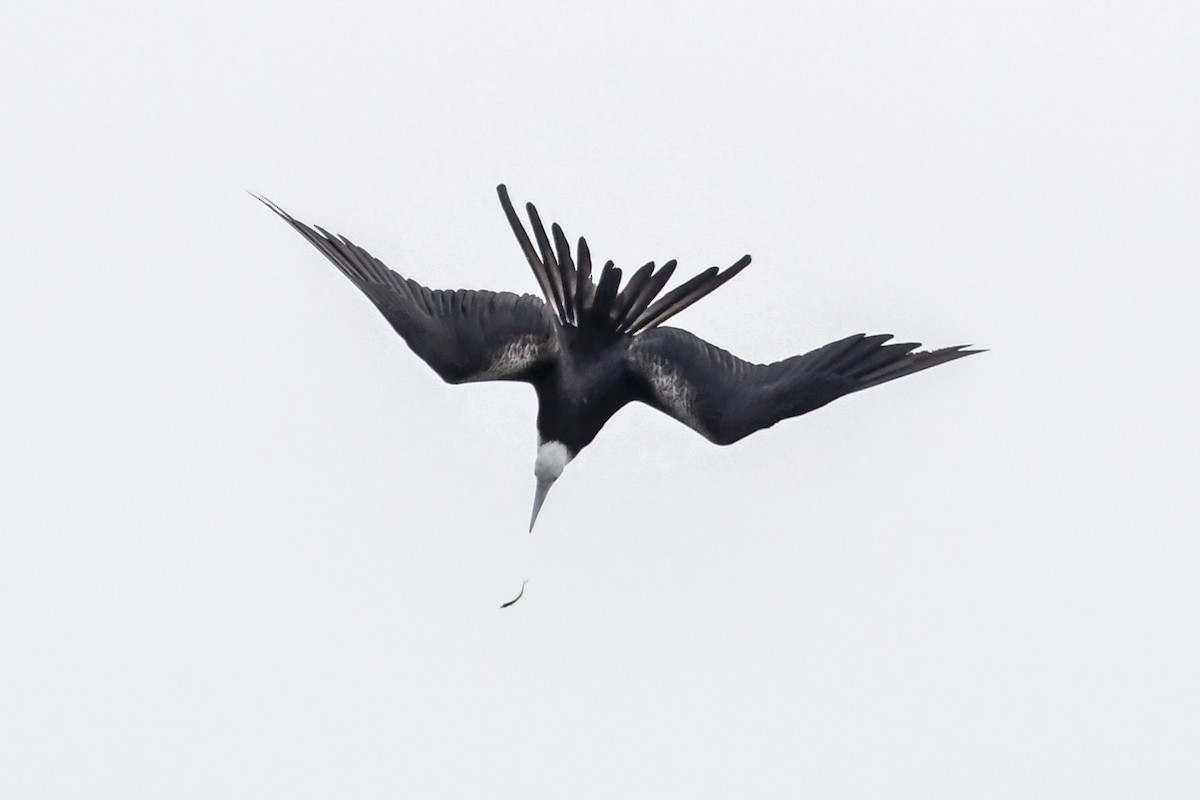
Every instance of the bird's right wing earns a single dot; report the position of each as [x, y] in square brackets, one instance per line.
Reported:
[465, 335]
[724, 398]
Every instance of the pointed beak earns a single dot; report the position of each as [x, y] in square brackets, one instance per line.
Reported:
[539, 497]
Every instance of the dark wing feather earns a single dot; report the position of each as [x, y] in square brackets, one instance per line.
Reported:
[465, 335]
[725, 398]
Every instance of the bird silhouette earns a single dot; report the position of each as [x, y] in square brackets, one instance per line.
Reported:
[590, 347]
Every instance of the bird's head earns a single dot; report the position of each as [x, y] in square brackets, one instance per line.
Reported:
[552, 458]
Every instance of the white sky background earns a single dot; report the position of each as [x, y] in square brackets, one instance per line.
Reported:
[251, 546]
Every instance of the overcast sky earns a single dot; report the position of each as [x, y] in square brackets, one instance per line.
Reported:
[252, 547]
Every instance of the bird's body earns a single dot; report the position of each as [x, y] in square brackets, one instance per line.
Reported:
[593, 347]
[583, 389]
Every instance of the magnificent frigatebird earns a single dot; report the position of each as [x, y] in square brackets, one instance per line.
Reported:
[590, 348]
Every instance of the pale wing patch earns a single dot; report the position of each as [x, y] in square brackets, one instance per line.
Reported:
[515, 358]
[674, 394]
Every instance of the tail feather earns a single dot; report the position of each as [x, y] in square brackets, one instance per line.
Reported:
[585, 290]
[576, 300]
[567, 267]
[679, 299]
[535, 263]
[631, 293]
[606, 294]
[549, 263]
[655, 285]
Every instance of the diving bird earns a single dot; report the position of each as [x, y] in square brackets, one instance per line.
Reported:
[590, 347]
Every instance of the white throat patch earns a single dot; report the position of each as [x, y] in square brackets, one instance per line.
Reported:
[552, 457]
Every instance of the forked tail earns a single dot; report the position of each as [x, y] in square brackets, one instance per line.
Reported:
[567, 282]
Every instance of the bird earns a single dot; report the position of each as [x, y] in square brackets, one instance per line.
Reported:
[591, 346]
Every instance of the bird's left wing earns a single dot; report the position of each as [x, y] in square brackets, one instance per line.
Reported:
[724, 398]
[465, 335]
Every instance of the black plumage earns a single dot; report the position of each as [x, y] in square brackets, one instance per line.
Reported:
[592, 346]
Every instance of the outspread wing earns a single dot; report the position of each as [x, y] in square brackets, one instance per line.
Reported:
[725, 398]
[465, 335]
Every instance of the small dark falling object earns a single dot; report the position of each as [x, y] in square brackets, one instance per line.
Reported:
[520, 594]
[592, 347]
